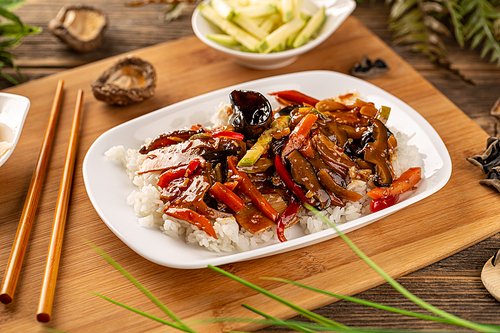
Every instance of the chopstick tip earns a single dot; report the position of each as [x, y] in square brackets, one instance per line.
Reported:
[5, 298]
[43, 317]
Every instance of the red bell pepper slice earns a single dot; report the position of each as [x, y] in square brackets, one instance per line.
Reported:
[299, 134]
[287, 179]
[229, 134]
[404, 183]
[247, 187]
[295, 96]
[183, 171]
[285, 219]
[284, 102]
[192, 217]
[382, 203]
[222, 193]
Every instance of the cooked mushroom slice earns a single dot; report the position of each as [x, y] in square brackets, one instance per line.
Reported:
[303, 173]
[377, 152]
[334, 183]
[332, 154]
[80, 26]
[130, 80]
[253, 220]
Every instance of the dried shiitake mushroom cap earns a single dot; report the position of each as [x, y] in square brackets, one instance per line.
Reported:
[80, 26]
[129, 80]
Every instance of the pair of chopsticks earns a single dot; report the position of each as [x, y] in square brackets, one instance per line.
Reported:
[21, 240]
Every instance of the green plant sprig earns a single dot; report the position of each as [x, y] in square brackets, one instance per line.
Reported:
[421, 23]
[452, 318]
[479, 27]
[306, 313]
[320, 323]
[12, 31]
[180, 324]
[366, 303]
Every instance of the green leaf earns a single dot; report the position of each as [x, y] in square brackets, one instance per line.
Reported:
[495, 56]
[401, 7]
[471, 29]
[366, 303]
[397, 286]
[11, 4]
[412, 38]
[9, 78]
[15, 30]
[487, 48]
[11, 35]
[436, 26]
[295, 327]
[11, 16]
[298, 309]
[144, 290]
[478, 38]
[432, 7]
[164, 322]
[454, 10]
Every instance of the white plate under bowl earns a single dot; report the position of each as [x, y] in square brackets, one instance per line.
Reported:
[108, 185]
[336, 11]
[13, 112]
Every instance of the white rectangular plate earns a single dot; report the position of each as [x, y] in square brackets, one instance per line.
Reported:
[108, 185]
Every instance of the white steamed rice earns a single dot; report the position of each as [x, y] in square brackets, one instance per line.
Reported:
[148, 206]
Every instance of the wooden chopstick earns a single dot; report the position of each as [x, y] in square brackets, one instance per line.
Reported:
[23, 231]
[56, 238]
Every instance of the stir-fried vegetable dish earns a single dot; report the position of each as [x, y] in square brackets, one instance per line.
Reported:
[265, 164]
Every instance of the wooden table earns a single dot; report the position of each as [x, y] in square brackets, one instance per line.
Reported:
[452, 284]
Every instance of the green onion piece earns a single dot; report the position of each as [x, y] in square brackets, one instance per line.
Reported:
[383, 116]
[262, 144]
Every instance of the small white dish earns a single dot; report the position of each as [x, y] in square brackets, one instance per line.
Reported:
[336, 12]
[13, 112]
[108, 185]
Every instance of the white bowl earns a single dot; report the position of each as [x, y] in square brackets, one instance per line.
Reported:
[336, 12]
[13, 111]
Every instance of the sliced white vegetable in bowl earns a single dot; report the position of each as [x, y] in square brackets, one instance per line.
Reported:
[265, 34]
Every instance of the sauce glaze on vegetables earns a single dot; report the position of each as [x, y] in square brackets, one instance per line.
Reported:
[266, 163]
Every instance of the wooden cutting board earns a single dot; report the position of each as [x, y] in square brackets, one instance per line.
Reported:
[459, 215]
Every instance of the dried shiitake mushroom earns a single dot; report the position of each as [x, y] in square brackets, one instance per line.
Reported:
[80, 26]
[129, 80]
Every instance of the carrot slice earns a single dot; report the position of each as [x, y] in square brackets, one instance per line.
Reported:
[299, 134]
[222, 193]
[406, 182]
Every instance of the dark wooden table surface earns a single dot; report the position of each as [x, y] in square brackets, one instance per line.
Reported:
[453, 284]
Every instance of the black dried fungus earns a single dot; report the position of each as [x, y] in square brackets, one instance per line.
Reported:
[489, 163]
[252, 113]
[367, 69]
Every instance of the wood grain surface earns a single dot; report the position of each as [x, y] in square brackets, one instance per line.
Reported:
[427, 232]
